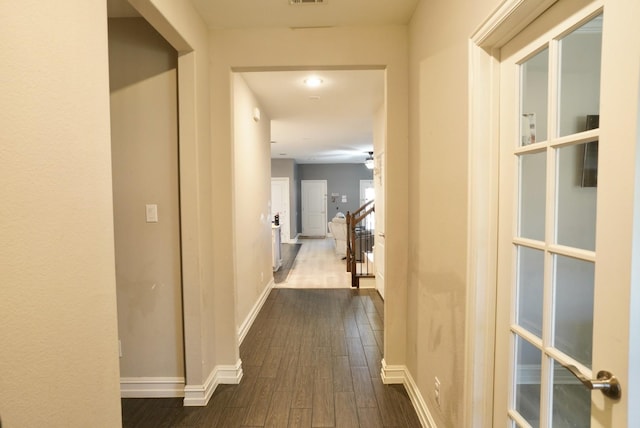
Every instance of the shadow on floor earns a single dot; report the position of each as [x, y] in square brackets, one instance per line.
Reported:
[289, 253]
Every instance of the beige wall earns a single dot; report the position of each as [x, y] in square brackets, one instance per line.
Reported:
[144, 147]
[252, 199]
[327, 47]
[59, 358]
[438, 152]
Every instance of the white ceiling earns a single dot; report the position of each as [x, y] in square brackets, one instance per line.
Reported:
[335, 127]
[332, 123]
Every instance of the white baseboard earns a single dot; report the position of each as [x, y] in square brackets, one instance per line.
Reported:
[392, 374]
[151, 387]
[401, 375]
[293, 240]
[251, 317]
[199, 395]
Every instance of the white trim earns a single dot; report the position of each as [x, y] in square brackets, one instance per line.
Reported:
[151, 387]
[392, 374]
[199, 395]
[509, 18]
[401, 375]
[251, 317]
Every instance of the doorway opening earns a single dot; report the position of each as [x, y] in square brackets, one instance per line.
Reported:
[322, 133]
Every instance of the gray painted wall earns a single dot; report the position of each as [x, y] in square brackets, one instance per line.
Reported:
[343, 179]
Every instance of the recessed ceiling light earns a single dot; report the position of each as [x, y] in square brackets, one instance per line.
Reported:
[313, 81]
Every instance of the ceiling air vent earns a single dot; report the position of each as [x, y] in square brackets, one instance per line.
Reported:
[307, 1]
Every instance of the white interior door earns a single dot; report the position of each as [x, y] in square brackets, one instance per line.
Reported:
[548, 259]
[314, 208]
[280, 205]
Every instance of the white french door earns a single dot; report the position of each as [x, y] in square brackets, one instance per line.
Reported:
[547, 253]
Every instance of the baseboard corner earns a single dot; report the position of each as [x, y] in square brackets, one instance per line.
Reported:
[399, 374]
[199, 395]
[392, 374]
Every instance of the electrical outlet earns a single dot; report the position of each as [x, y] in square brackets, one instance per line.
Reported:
[120, 347]
[436, 390]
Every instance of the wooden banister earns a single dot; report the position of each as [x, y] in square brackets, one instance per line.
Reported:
[358, 219]
[365, 239]
[366, 204]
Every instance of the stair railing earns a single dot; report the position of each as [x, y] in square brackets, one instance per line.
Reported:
[360, 240]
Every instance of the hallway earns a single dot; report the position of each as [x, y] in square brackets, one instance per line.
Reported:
[311, 359]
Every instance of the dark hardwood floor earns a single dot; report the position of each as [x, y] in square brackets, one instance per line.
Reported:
[311, 359]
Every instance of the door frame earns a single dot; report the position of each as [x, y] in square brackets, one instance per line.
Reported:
[506, 21]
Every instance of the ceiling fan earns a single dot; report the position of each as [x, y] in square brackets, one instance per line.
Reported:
[369, 161]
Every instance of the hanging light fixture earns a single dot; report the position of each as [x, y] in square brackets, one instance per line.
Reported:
[369, 162]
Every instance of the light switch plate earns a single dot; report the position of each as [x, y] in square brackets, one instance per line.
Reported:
[152, 213]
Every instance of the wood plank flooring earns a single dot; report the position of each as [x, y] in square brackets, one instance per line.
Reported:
[311, 359]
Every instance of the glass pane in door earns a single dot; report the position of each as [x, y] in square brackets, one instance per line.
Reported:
[530, 289]
[533, 114]
[576, 198]
[573, 317]
[528, 376]
[533, 170]
[571, 400]
[580, 54]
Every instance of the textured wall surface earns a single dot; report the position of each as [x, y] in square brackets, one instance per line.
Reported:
[252, 196]
[59, 358]
[438, 151]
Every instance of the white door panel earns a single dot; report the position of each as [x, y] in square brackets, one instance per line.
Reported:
[280, 205]
[314, 206]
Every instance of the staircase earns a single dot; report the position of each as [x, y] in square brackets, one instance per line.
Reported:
[360, 240]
